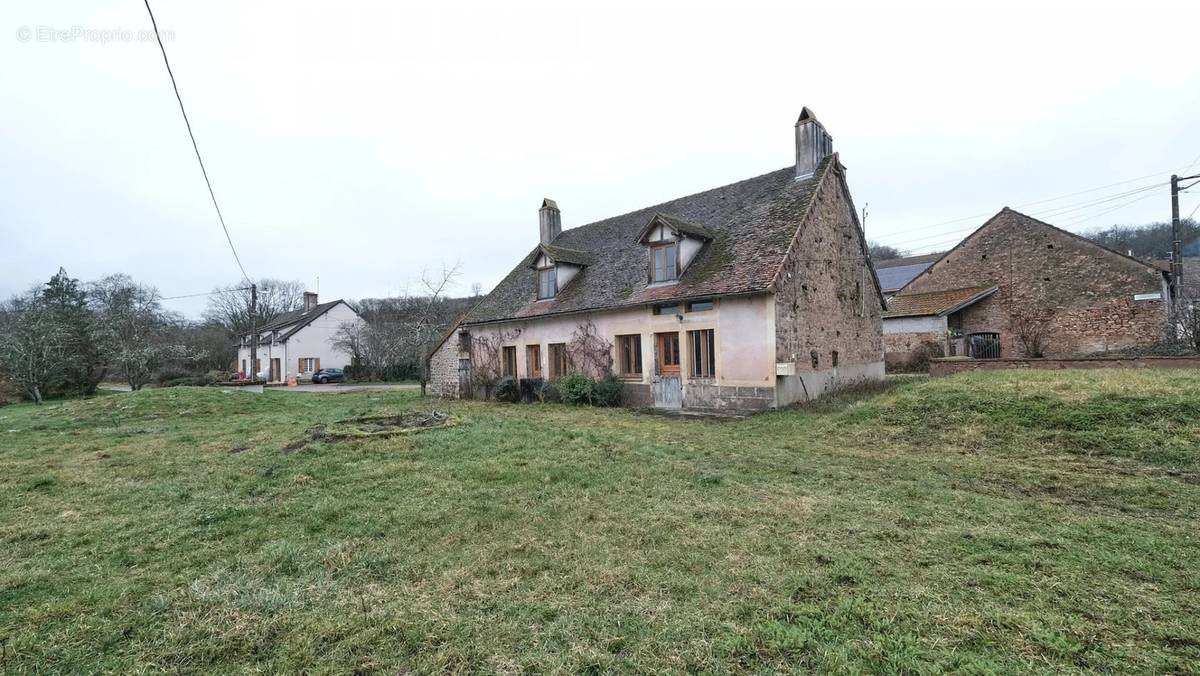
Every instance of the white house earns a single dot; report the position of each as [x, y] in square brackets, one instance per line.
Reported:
[300, 342]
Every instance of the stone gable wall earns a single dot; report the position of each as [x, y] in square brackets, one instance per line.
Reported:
[443, 369]
[826, 300]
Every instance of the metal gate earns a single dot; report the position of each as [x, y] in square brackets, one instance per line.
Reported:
[984, 345]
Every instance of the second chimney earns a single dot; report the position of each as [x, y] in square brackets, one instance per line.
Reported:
[310, 301]
[813, 144]
[549, 221]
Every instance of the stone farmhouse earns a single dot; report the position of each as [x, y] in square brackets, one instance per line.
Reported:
[746, 297]
[1017, 286]
[298, 343]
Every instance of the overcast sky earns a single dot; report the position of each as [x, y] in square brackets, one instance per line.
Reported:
[364, 141]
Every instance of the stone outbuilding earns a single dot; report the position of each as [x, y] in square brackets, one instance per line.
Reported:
[1019, 287]
[746, 297]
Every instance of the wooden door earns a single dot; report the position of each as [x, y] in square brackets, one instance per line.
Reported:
[276, 374]
[668, 386]
[464, 378]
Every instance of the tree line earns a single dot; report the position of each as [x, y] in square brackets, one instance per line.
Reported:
[65, 337]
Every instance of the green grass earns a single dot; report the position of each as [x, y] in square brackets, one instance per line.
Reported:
[998, 522]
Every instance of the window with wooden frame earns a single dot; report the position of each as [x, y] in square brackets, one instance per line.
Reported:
[664, 262]
[558, 359]
[700, 305]
[629, 356]
[704, 353]
[667, 353]
[308, 365]
[533, 361]
[666, 309]
[547, 283]
[509, 361]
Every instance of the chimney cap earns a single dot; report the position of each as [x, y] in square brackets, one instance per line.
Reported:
[806, 115]
[548, 203]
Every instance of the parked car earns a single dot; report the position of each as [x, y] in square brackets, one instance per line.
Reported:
[322, 376]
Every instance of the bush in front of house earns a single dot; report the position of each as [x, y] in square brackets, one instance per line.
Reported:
[506, 389]
[919, 361]
[582, 390]
[607, 391]
[575, 388]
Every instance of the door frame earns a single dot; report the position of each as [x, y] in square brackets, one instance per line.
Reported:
[668, 372]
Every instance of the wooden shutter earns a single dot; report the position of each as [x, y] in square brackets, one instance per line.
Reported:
[300, 365]
[317, 364]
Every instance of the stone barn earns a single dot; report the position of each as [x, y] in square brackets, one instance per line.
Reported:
[1019, 287]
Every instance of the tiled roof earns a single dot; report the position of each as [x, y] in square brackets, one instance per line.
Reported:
[751, 225]
[935, 302]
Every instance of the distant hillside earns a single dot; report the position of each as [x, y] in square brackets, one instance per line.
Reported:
[1152, 240]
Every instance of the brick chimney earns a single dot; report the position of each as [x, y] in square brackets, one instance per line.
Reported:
[310, 301]
[549, 220]
[813, 144]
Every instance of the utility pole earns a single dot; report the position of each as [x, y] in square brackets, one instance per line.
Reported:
[1177, 235]
[253, 333]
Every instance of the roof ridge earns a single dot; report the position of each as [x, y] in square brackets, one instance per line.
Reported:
[656, 207]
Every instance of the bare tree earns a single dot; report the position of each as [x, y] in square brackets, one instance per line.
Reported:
[1183, 331]
[883, 252]
[34, 346]
[1031, 326]
[487, 363]
[397, 333]
[135, 330]
[230, 305]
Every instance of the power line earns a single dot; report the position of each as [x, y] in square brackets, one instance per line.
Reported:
[1053, 199]
[1044, 213]
[198, 295]
[195, 147]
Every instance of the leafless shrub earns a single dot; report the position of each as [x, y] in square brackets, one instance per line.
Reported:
[1031, 326]
[589, 353]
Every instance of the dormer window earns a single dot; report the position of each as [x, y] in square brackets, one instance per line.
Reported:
[547, 283]
[555, 267]
[664, 262]
[672, 243]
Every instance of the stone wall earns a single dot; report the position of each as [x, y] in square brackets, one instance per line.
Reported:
[947, 367]
[827, 309]
[1085, 290]
[443, 369]
[899, 348]
[708, 396]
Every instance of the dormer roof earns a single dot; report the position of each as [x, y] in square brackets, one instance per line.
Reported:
[561, 254]
[676, 225]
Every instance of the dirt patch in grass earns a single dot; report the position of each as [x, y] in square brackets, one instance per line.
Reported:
[372, 427]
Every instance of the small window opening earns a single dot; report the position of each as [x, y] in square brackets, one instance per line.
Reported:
[835, 358]
[816, 358]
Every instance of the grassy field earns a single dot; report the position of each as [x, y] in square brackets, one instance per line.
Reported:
[997, 522]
